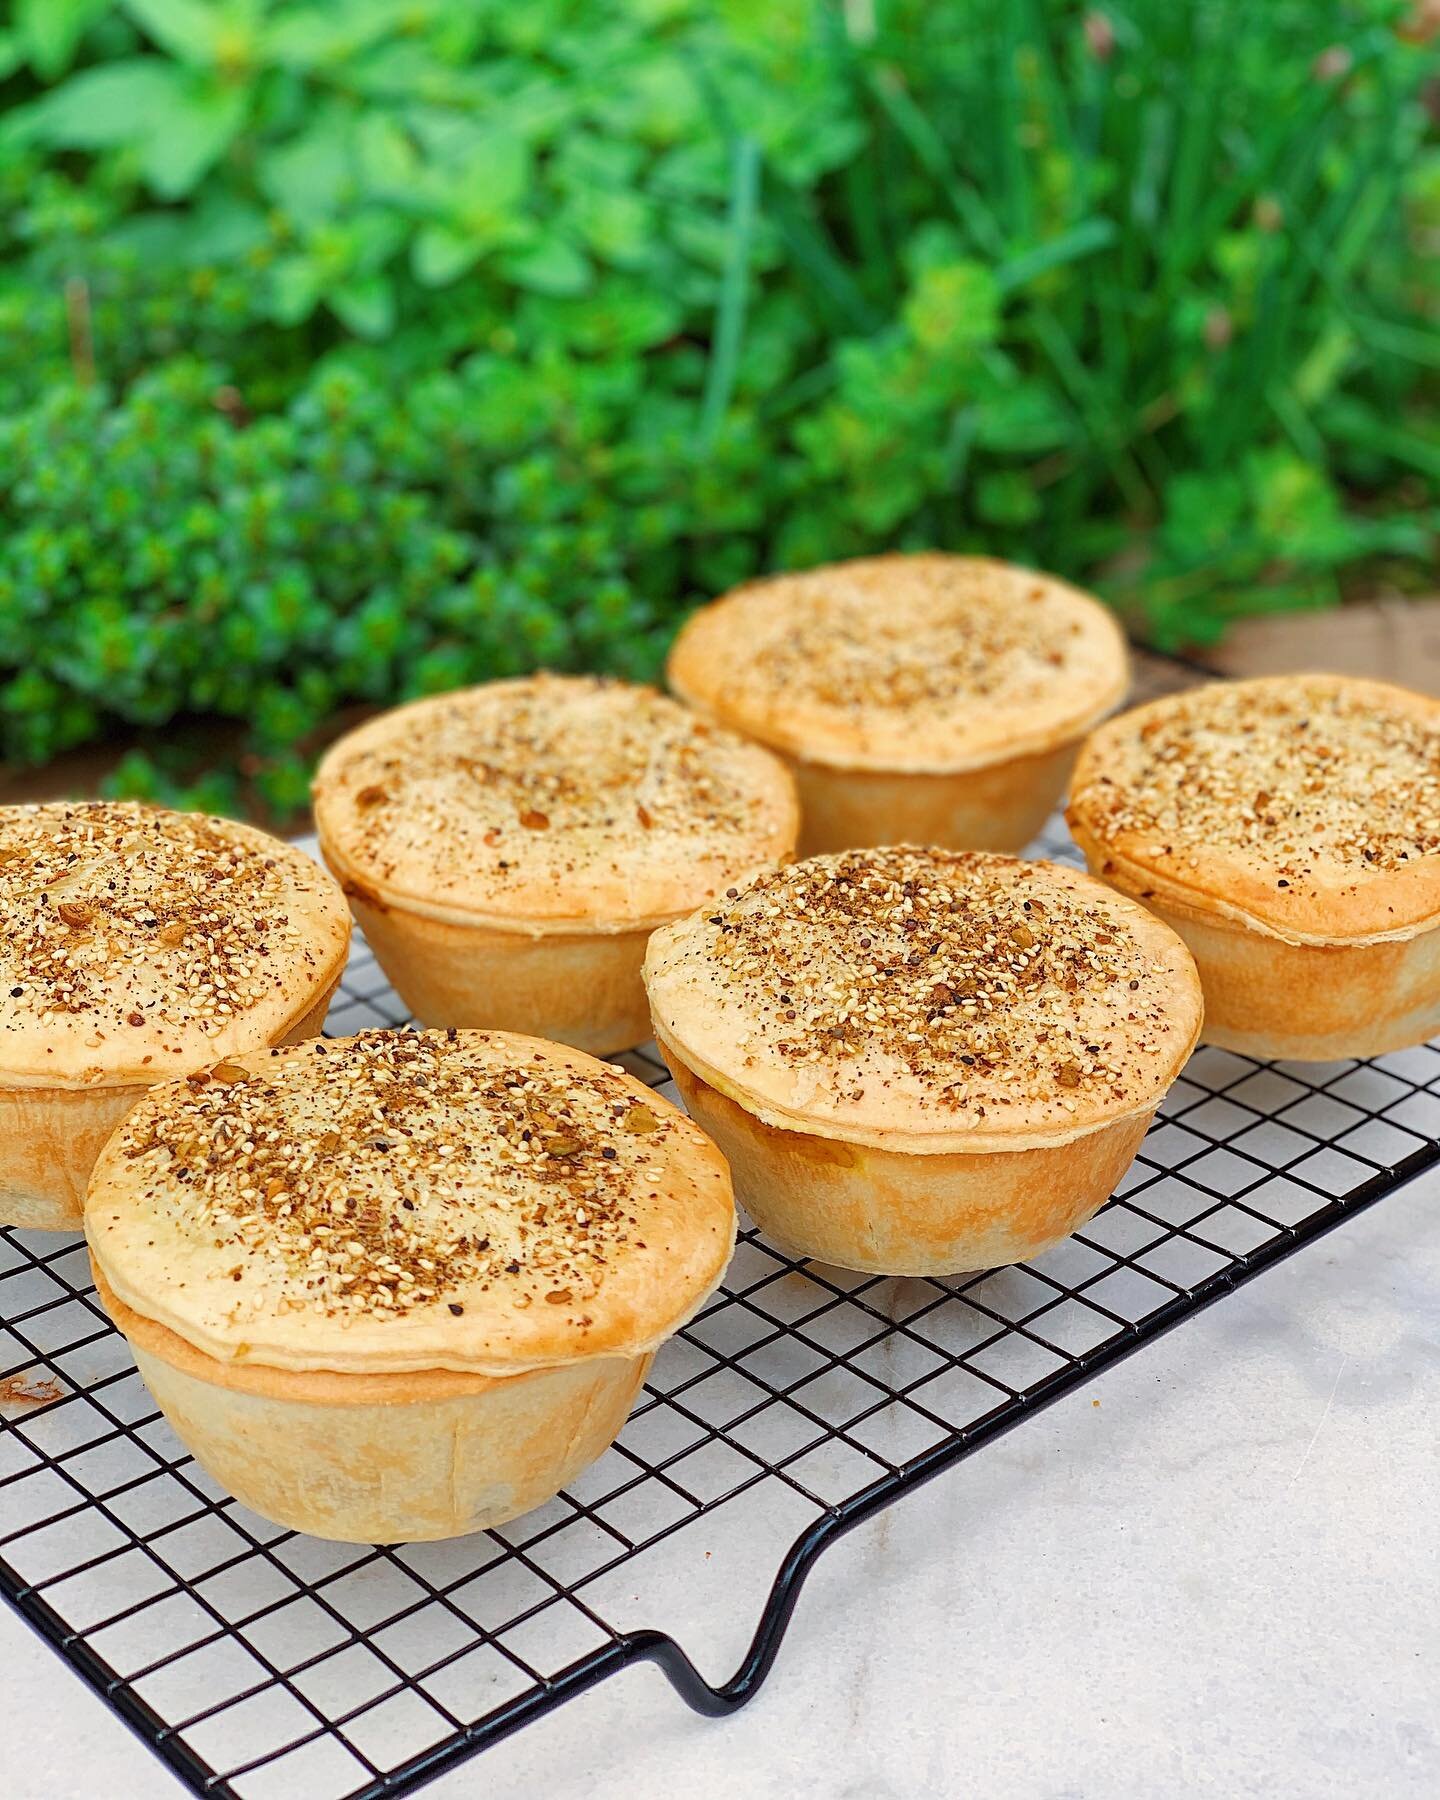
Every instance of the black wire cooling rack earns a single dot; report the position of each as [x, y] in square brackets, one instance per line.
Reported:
[258, 1662]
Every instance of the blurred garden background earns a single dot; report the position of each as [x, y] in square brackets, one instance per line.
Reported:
[360, 349]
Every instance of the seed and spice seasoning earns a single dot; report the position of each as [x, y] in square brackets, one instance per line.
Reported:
[124, 921]
[984, 989]
[532, 794]
[386, 1173]
[1300, 781]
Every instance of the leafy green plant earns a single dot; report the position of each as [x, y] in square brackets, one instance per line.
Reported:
[355, 350]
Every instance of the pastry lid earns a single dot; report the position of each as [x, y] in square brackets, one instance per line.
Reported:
[139, 944]
[472, 1201]
[925, 663]
[928, 1000]
[550, 803]
[1307, 806]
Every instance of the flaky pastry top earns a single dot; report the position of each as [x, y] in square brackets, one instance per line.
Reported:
[551, 801]
[138, 944]
[1308, 805]
[920, 663]
[474, 1201]
[928, 1000]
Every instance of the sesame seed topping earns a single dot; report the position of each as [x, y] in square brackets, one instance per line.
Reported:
[528, 795]
[903, 656]
[980, 989]
[1299, 779]
[123, 920]
[493, 1169]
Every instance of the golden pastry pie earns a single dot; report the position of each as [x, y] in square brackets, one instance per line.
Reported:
[923, 1061]
[921, 699]
[404, 1285]
[138, 945]
[507, 850]
[1289, 829]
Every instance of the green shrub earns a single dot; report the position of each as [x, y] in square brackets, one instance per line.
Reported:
[355, 350]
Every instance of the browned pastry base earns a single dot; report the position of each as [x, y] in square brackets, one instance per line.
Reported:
[896, 1213]
[50, 1137]
[582, 988]
[382, 1459]
[1309, 1002]
[999, 807]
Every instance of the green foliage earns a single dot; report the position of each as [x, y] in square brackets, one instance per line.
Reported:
[359, 349]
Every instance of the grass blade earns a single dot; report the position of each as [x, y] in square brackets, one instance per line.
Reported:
[734, 289]
[1080, 240]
